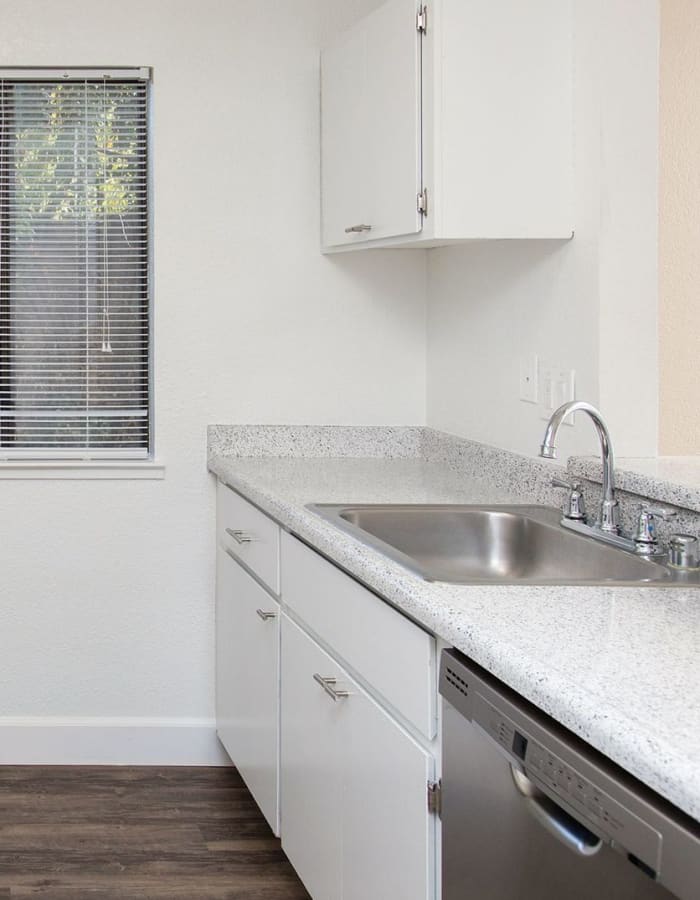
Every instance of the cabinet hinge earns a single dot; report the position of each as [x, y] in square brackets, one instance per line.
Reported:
[422, 202]
[422, 19]
[435, 797]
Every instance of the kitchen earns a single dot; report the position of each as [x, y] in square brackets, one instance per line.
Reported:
[393, 376]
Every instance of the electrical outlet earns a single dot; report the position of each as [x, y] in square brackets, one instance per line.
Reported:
[557, 386]
[529, 379]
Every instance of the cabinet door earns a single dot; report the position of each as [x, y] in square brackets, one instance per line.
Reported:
[388, 833]
[311, 765]
[371, 127]
[247, 681]
[355, 822]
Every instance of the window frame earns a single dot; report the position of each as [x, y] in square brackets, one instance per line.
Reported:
[92, 463]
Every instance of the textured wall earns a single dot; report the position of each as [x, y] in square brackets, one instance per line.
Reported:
[679, 236]
[106, 588]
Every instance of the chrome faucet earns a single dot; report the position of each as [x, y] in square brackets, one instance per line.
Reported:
[609, 521]
[683, 551]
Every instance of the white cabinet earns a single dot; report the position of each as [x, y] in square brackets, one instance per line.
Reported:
[359, 627]
[355, 820]
[371, 128]
[252, 537]
[467, 107]
[388, 833]
[326, 702]
[247, 680]
[311, 767]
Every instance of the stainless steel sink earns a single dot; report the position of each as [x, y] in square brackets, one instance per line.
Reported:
[493, 545]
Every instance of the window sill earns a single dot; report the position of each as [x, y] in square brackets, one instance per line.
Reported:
[81, 470]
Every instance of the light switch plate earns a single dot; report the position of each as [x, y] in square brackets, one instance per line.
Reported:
[529, 378]
[557, 386]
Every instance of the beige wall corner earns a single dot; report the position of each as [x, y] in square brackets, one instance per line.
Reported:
[679, 231]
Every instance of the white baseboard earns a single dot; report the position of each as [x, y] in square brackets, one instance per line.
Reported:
[57, 741]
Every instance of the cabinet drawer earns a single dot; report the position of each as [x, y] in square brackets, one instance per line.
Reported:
[394, 656]
[249, 534]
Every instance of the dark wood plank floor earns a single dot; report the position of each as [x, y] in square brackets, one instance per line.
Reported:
[114, 833]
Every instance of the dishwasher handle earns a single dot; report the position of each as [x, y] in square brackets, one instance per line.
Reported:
[559, 823]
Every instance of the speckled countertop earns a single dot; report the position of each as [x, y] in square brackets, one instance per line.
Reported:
[669, 479]
[617, 666]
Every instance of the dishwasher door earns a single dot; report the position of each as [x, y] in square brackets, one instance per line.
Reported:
[494, 848]
[508, 832]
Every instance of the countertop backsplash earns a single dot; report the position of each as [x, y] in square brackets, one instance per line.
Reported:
[524, 477]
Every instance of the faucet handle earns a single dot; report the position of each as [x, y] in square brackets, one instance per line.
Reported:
[683, 553]
[571, 485]
[657, 512]
[646, 540]
[575, 505]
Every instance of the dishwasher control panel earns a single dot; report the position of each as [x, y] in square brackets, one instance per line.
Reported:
[550, 770]
[562, 782]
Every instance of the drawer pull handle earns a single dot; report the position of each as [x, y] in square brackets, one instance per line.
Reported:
[357, 229]
[327, 685]
[265, 616]
[240, 537]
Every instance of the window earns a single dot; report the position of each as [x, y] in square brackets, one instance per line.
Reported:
[74, 264]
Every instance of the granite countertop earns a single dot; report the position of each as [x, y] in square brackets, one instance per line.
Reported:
[617, 666]
[670, 479]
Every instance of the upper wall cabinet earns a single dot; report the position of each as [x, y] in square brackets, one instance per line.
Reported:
[372, 128]
[448, 122]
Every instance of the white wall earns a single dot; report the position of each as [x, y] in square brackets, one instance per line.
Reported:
[107, 587]
[629, 227]
[590, 304]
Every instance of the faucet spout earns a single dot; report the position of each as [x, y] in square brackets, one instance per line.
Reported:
[609, 514]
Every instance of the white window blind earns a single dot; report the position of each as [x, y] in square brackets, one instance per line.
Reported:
[74, 264]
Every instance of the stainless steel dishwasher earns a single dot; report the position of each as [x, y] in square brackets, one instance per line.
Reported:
[530, 812]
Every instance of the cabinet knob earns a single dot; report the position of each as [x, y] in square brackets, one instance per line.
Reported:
[357, 229]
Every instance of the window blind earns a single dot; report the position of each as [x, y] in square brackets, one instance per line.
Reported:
[74, 264]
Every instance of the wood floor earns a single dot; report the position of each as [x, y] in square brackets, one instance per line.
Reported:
[120, 833]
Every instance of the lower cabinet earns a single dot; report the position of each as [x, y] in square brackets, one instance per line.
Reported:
[338, 763]
[355, 819]
[311, 773]
[247, 681]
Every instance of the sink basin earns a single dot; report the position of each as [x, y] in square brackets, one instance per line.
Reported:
[492, 545]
